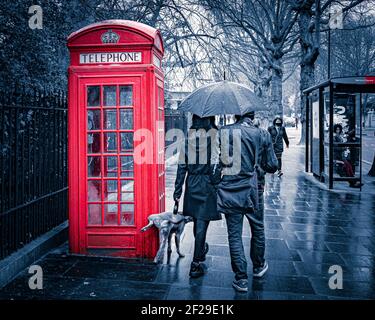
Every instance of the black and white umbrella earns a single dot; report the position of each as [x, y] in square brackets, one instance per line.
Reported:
[223, 97]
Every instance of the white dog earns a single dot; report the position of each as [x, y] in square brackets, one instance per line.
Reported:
[168, 224]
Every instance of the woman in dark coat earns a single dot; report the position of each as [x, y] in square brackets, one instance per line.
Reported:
[200, 200]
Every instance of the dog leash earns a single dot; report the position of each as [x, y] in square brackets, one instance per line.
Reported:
[175, 208]
[175, 211]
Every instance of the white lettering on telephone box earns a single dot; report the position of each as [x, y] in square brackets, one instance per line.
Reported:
[110, 57]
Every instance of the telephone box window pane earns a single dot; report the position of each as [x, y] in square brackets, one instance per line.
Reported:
[126, 95]
[93, 96]
[110, 213]
[93, 143]
[94, 190]
[127, 185]
[126, 141]
[110, 142]
[110, 119]
[109, 96]
[93, 164]
[95, 213]
[93, 119]
[127, 166]
[126, 119]
[160, 94]
[127, 188]
[110, 190]
[110, 166]
[127, 196]
[127, 214]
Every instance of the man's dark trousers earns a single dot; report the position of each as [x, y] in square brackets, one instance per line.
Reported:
[257, 249]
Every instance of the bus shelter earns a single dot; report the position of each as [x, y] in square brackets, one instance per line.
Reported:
[334, 124]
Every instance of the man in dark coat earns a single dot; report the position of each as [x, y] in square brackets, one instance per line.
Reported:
[200, 199]
[278, 133]
[236, 193]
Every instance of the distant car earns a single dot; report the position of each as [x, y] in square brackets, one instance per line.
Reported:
[289, 122]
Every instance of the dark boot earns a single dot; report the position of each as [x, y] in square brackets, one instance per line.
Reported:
[197, 269]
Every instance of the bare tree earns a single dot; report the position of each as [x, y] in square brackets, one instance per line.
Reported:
[270, 25]
[313, 19]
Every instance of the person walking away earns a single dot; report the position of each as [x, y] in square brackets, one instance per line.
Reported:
[235, 191]
[200, 199]
[278, 134]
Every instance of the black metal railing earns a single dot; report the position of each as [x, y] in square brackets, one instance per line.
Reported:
[33, 165]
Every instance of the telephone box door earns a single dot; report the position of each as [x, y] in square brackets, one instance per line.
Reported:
[109, 188]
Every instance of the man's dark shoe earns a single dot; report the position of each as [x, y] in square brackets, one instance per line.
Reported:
[240, 285]
[197, 269]
[260, 271]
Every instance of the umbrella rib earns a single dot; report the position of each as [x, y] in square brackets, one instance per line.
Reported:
[208, 97]
[235, 98]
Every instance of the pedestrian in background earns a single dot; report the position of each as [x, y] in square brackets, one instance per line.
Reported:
[278, 134]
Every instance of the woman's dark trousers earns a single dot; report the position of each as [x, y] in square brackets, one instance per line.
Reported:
[200, 231]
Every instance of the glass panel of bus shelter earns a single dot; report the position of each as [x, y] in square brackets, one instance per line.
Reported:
[315, 126]
[326, 120]
[346, 137]
[368, 139]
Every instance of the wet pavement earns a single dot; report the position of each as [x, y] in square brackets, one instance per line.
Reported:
[308, 229]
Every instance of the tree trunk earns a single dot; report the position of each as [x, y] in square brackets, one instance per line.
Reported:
[307, 80]
[309, 39]
[276, 94]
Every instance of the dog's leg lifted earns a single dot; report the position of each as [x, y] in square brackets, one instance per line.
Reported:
[150, 224]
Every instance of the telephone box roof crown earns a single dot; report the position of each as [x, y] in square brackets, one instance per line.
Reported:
[110, 26]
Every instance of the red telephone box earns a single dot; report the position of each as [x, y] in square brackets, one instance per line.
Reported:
[115, 89]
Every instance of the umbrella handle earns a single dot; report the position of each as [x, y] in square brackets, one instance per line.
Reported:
[175, 208]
